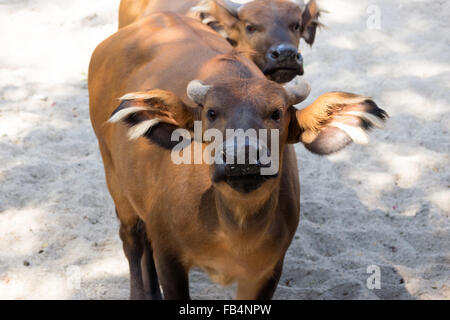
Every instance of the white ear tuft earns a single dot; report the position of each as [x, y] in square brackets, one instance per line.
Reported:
[122, 114]
[357, 134]
[209, 20]
[135, 96]
[141, 128]
[374, 120]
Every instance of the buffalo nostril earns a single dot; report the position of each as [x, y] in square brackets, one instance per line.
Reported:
[275, 54]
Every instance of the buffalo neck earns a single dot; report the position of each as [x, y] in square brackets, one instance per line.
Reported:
[246, 214]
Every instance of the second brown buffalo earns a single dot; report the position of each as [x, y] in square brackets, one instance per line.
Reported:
[267, 31]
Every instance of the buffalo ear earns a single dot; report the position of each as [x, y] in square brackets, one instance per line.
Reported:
[226, 14]
[310, 22]
[333, 121]
[153, 114]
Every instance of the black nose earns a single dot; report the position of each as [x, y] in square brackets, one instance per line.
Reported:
[244, 160]
[284, 53]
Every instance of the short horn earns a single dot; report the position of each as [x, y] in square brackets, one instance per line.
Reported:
[297, 92]
[196, 91]
[233, 6]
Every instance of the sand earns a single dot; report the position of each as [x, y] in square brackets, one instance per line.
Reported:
[385, 204]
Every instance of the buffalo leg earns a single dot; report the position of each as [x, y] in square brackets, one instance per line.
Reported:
[260, 290]
[149, 275]
[173, 276]
[131, 235]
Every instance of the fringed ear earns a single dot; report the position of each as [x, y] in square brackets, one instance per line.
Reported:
[202, 11]
[144, 111]
[334, 120]
[219, 15]
[310, 22]
[225, 12]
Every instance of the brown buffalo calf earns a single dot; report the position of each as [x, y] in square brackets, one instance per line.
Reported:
[268, 30]
[229, 219]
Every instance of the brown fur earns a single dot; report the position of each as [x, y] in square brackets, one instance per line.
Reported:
[189, 220]
[273, 20]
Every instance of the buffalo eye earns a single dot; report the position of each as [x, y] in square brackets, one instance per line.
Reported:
[276, 115]
[250, 28]
[211, 115]
[295, 27]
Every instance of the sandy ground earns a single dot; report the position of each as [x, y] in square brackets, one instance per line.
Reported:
[385, 204]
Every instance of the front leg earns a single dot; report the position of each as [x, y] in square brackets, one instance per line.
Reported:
[131, 235]
[149, 275]
[173, 276]
[260, 290]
